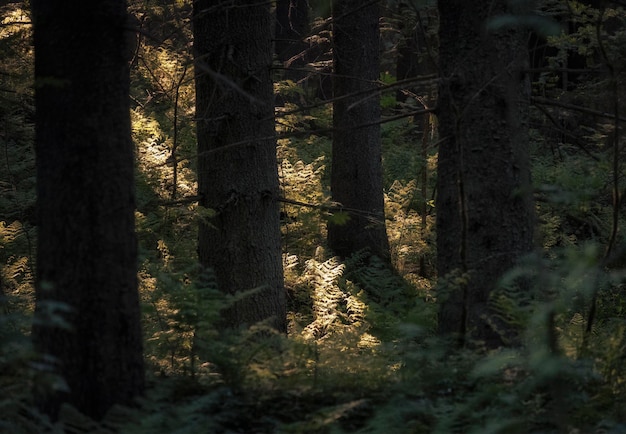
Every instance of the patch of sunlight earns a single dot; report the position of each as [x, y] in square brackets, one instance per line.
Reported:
[154, 157]
[165, 252]
[282, 145]
[147, 283]
[432, 163]
[13, 21]
[571, 335]
[165, 66]
[396, 367]
[368, 341]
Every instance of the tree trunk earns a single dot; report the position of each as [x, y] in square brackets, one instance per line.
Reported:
[237, 168]
[484, 203]
[356, 171]
[86, 257]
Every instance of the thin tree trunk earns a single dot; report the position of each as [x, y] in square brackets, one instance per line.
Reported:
[356, 172]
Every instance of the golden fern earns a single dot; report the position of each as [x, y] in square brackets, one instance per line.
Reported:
[326, 295]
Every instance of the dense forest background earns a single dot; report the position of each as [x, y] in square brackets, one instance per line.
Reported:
[363, 350]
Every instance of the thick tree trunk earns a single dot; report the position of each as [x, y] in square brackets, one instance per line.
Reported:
[484, 203]
[237, 168]
[356, 172]
[86, 257]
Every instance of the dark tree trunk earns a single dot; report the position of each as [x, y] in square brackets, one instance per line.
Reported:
[484, 204]
[356, 172]
[86, 257]
[237, 168]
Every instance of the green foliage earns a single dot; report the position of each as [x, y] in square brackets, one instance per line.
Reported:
[362, 353]
[180, 311]
[289, 89]
[411, 234]
[388, 296]
[17, 220]
[16, 413]
[553, 369]
[552, 381]
[387, 100]
[302, 175]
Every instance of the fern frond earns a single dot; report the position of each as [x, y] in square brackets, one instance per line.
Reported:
[326, 294]
[9, 233]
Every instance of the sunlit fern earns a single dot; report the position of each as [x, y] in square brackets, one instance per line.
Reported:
[326, 295]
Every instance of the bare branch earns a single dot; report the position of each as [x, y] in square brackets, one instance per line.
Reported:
[565, 132]
[545, 101]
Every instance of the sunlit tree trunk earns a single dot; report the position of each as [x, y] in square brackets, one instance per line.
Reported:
[484, 202]
[356, 171]
[237, 168]
[86, 257]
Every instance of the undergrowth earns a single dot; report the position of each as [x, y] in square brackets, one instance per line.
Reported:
[362, 353]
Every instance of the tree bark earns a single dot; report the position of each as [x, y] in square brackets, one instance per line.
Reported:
[356, 171]
[86, 257]
[484, 203]
[237, 167]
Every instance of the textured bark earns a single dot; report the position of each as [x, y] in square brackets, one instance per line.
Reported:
[484, 204]
[86, 257]
[356, 172]
[237, 168]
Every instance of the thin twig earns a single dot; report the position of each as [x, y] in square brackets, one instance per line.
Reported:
[382, 88]
[335, 207]
[563, 131]
[545, 101]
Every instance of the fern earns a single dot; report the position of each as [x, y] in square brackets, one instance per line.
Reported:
[302, 181]
[326, 296]
[411, 235]
[180, 315]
